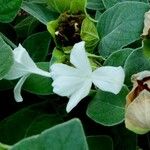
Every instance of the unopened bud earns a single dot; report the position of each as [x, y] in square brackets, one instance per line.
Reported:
[137, 116]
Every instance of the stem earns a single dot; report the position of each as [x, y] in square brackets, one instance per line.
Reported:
[8, 41]
[95, 56]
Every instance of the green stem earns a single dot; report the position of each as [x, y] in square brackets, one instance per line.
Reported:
[5, 147]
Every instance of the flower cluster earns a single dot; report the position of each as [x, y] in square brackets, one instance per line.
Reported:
[72, 81]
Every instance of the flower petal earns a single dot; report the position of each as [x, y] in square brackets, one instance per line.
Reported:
[109, 78]
[17, 89]
[22, 57]
[67, 80]
[23, 65]
[79, 58]
[59, 69]
[81, 93]
[15, 72]
[66, 86]
[137, 116]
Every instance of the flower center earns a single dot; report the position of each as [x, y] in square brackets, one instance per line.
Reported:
[142, 85]
[68, 32]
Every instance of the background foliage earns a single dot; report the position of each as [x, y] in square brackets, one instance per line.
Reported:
[40, 122]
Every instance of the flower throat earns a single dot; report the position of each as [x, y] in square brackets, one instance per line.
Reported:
[68, 32]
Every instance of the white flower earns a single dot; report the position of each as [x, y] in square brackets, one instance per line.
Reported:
[23, 66]
[75, 82]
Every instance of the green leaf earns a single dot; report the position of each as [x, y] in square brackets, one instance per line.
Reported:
[27, 26]
[74, 6]
[107, 108]
[38, 84]
[118, 58]
[40, 12]
[52, 26]
[89, 34]
[9, 9]
[100, 142]
[59, 6]
[57, 57]
[78, 6]
[6, 58]
[69, 135]
[95, 5]
[29, 121]
[110, 3]
[37, 45]
[136, 62]
[120, 26]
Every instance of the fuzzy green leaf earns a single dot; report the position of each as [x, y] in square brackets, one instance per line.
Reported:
[6, 58]
[89, 34]
[118, 58]
[120, 26]
[107, 108]
[136, 62]
[65, 136]
[29, 121]
[110, 3]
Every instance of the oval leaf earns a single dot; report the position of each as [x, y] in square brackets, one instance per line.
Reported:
[37, 45]
[118, 58]
[29, 121]
[108, 109]
[120, 26]
[110, 3]
[69, 135]
[136, 62]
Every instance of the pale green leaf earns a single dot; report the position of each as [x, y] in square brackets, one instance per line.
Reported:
[78, 6]
[59, 6]
[89, 34]
[4, 147]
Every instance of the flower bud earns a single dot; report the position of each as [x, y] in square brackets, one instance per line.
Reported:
[146, 30]
[137, 116]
